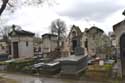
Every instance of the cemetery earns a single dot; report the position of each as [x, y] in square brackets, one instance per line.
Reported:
[85, 48]
[80, 59]
[80, 55]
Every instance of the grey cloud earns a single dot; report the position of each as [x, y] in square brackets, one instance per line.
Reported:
[97, 11]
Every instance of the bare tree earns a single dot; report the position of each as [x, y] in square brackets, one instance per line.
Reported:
[4, 31]
[58, 27]
[39, 2]
[37, 38]
[12, 3]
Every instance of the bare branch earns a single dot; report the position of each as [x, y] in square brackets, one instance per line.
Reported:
[58, 27]
[10, 5]
[4, 4]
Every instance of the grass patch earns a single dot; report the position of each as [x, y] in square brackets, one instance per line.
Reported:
[96, 67]
[98, 73]
[108, 67]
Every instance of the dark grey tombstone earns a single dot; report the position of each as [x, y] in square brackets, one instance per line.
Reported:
[73, 65]
[79, 50]
[122, 53]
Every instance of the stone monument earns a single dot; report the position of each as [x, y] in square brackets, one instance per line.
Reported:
[74, 64]
[79, 50]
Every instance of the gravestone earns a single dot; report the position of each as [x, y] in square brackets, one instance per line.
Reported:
[122, 53]
[74, 64]
[79, 50]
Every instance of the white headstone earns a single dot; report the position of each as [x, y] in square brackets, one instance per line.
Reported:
[101, 62]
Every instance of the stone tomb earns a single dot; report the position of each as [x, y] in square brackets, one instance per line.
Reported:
[79, 51]
[47, 68]
[73, 65]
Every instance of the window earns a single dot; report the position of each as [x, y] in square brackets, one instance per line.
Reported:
[27, 43]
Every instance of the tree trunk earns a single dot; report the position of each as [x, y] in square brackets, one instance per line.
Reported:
[4, 4]
[58, 40]
[58, 43]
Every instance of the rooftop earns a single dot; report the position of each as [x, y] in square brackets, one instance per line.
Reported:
[15, 32]
[49, 35]
[118, 24]
[94, 27]
[21, 33]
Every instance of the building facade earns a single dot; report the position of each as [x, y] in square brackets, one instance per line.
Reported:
[119, 31]
[21, 43]
[92, 40]
[74, 39]
[49, 43]
[37, 46]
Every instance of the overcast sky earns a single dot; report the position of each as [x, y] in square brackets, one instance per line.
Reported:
[83, 13]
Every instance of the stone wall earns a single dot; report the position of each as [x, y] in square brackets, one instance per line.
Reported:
[49, 44]
[24, 51]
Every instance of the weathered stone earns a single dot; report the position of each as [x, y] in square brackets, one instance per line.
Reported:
[119, 32]
[73, 65]
[122, 53]
[79, 51]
